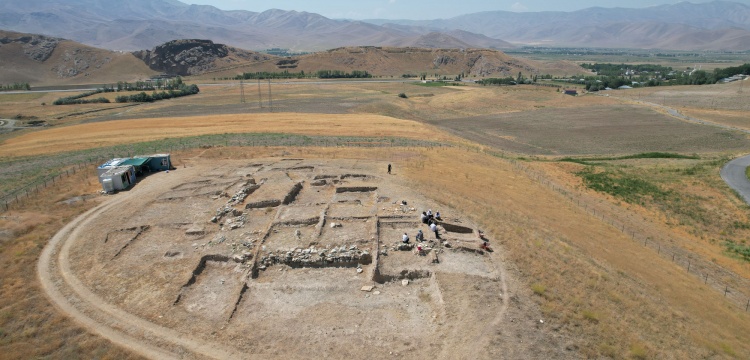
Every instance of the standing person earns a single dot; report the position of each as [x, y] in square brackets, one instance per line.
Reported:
[434, 229]
[389, 168]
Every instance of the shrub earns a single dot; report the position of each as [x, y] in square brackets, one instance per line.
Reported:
[402, 95]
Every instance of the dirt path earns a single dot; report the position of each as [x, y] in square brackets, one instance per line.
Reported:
[74, 299]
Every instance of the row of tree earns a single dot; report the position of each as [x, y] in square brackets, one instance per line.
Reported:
[263, 75]
[81, 98]
[498, 81]
[15, 86]
[338, 74]
[142, 97]
[158, 84]
[172, 89]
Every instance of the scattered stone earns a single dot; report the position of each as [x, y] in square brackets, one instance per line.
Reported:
[367, 288]
[195, 231]
[404, 282]
[378, 293]
[172, 254]
[359, 270]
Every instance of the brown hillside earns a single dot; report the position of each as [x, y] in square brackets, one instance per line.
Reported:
[41, 60]
[389, 61]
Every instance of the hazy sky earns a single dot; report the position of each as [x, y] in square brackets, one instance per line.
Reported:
[423, 9]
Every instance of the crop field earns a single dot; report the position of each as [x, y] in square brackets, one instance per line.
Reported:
[593, 130]
[605, 252]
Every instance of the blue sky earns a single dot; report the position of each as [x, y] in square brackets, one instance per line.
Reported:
[423, 9]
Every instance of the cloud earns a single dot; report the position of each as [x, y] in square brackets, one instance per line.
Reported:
[391, 1]
[519, 7]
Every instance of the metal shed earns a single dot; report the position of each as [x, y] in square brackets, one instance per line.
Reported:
[141, 164]
[109, 165]
[159, 162]
[118, 178]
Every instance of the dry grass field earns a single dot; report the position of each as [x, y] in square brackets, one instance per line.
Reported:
[600, 293]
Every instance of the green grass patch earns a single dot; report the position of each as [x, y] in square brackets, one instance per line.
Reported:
[747, 172]
[627, 187]
[591, 316]
[741, 251]
[646, 155]
[539, 289]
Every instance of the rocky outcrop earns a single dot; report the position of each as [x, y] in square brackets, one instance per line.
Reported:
[191, 57]
[36, 47]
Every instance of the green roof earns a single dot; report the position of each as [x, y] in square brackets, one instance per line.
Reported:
[135, 161]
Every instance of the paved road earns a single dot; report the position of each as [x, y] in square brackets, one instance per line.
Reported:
[733, 173]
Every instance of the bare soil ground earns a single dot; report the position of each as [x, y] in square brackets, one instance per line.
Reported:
[198, 288]
[599, 293]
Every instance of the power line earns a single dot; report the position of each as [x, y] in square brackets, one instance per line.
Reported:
[270, 98]
[242, 92]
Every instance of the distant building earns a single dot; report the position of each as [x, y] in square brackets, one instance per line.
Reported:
[571, 92]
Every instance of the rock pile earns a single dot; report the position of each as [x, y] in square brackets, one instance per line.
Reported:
[312, 257]
[243, 193]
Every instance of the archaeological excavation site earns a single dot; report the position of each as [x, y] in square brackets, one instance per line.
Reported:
[279, 257]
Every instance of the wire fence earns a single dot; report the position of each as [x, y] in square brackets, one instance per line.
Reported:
[26, 176]
[732, 286]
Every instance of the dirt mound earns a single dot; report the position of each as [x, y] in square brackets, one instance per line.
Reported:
[192, 57]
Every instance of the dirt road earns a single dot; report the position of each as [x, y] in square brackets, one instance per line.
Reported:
[71, 297]
[733, 173]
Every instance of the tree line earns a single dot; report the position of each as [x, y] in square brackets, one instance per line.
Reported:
[183, 90]
[338, 74]
[170, 89]
[263, 75]
[15, 86]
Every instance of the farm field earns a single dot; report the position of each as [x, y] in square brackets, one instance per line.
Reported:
[603, 257]
[603, 129]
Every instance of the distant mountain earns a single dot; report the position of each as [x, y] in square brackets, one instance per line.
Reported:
[718, 25]
[143, 24]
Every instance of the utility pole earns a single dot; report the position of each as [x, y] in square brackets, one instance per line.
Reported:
[260, 95]
[270, 98]
[242, 92]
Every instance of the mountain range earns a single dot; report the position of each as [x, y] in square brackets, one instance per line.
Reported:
[142, 24]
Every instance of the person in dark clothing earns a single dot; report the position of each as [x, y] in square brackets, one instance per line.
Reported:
[389, 168]
[434, 229]
[424, 217]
